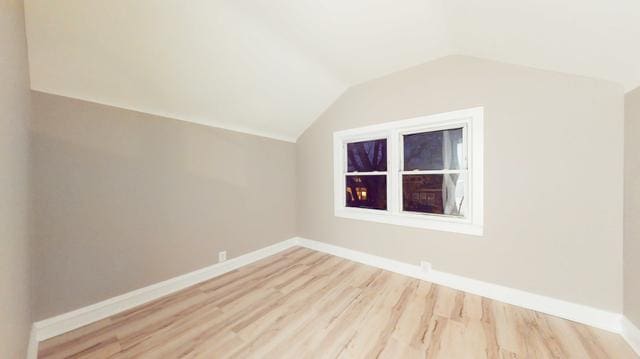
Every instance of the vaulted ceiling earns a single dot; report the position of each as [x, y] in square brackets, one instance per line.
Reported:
[270, 67]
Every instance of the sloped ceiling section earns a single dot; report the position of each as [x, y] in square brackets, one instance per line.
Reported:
[270, 67]
[200, 61]
[593, 38]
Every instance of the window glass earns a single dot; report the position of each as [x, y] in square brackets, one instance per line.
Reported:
[424, 172]
[437, 150]
[433, 193]
[367, 191]
[367, 156]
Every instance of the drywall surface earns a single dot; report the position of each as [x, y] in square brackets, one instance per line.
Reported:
[124, 199]
[632, 207]
[15, 299]
[553, 177]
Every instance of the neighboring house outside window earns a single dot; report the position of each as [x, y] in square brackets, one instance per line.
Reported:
[424, 172]
[366, 177]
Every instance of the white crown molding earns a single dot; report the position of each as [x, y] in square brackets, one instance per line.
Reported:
[576, 312]
[631, 334]
[63, 323]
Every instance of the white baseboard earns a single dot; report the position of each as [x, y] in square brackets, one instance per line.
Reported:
[631, 334]
[63, 323]
[576, 312]
[610, 321]
[32, 349]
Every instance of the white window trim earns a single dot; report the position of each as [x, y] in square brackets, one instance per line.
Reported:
[471, 119]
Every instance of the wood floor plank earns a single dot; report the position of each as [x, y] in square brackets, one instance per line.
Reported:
[302, 303]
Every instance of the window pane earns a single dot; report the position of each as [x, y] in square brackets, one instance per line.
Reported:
[435, 150]
[437, 193]
[367, 192]
[367, 156]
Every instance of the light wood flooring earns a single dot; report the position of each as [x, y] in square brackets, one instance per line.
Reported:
[306, 304]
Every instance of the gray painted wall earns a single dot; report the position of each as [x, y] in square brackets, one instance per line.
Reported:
[632, 207]
[15, 299]
[124, 199]
[553, 177]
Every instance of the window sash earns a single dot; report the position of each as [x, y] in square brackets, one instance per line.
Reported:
[432, 172]
[346, 172]
[345, 153]
[365, 173]
[395, 138]
[425, 129]
[386, 194]
[465, 170]
[470, 121]
[465, 202]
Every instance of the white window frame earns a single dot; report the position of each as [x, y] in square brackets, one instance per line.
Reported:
[472, 122]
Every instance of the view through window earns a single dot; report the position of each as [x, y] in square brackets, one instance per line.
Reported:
[424, 172]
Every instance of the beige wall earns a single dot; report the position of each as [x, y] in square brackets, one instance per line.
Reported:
[553, 177]
[632, 207]
[124, 199]
[15, 315]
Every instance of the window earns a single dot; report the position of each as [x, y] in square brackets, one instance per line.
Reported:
[433, 171]
[366, 177]
[424, 172]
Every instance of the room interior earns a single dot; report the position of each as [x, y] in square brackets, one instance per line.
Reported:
[253, 179]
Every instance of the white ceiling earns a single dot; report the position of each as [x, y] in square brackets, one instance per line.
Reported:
[270, 67]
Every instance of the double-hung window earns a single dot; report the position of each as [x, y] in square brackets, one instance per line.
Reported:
[424, 172]
[366, 174]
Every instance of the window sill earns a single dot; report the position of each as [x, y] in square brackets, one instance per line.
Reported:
[414, 221]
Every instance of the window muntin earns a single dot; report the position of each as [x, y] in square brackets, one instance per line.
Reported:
[366, 174]
[439, 194]
[434, 169]
[441, 190]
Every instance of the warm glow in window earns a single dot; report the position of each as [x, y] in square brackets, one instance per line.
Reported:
[424, 172]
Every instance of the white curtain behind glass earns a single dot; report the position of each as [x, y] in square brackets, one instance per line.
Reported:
[448, 185]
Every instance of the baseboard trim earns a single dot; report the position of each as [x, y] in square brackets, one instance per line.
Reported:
[63, 323]
[598, 318]
[576, 312]
[32, 348]
[631, 334]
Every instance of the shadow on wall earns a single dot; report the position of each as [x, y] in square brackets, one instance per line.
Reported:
[122, 202]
